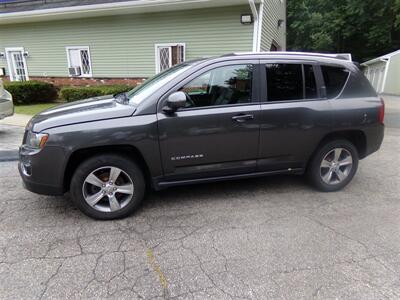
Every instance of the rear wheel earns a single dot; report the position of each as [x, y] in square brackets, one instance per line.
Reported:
[107, 187]
[333, 165]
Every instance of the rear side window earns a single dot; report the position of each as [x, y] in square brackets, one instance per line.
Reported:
[289, 82]
[335, 78]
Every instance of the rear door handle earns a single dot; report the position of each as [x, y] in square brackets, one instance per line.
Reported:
[242, 118]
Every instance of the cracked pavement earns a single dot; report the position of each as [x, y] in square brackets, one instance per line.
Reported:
[271, 237]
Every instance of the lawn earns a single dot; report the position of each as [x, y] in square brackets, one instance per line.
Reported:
[33, 109]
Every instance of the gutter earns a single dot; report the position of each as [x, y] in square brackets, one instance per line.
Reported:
[375, 60]
[256, 29]
[119, 7]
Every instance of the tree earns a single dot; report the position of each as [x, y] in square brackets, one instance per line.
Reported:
[365, 28]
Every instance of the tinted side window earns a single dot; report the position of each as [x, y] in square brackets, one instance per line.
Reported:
[221, 86]
[335, 79]
[286, 82]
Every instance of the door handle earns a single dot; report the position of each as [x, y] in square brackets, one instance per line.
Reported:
[242, 118]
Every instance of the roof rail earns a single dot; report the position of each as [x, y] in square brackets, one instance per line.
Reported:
[342, 56]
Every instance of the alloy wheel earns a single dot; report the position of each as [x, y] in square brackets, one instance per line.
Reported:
[108, 189]
[336, 166]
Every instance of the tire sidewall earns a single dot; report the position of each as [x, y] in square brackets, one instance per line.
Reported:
[314, 170]
[88, 166]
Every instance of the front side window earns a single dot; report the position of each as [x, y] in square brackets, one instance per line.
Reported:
[335, 79]
[79, 63]
[289, 82]
[227, 85]
[151, 85]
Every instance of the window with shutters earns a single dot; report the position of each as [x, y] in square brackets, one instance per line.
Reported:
[168, 55]
[79, 63]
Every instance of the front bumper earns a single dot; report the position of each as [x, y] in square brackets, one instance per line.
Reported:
[42, 171]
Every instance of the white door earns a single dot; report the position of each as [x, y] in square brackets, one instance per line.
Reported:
[164, 58]
[17, 65]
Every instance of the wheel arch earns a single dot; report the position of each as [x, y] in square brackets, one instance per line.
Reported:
[80, 155]
[356, 137]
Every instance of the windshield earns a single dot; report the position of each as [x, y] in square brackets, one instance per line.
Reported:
[151, 85]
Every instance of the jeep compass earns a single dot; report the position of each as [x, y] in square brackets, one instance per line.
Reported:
[231, 117]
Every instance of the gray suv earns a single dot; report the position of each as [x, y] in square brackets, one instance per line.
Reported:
[231, 117]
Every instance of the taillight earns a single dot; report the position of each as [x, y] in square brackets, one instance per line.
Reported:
[381, 113]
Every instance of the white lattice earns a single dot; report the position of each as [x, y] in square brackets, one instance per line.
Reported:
[85, 62]
[165, 58]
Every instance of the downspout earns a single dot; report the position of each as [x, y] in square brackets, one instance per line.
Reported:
[253, 8]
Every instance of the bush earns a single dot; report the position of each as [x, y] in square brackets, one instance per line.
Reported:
[31, 92]
[70, 94]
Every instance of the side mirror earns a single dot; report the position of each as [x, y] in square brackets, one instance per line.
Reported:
[175, 101]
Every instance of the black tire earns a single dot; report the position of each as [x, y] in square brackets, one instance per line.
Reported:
[314, 172]
[107, 160]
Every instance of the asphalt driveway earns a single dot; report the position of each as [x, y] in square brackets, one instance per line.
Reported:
[261, 238]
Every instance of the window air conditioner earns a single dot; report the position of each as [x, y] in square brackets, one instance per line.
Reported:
[75, 71]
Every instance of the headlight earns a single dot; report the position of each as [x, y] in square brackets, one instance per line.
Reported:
[36, 140]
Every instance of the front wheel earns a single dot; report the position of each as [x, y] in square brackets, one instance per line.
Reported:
[333, 165]
[107, 187]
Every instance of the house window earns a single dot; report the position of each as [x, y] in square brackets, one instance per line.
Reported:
[168, 55]
[79, 63]
[17, 64]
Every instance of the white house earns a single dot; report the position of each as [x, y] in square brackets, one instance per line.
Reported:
[384, 73]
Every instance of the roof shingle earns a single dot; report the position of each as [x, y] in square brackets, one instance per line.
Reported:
[9, 6]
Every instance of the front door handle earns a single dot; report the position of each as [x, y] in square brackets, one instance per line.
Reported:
[242, 118]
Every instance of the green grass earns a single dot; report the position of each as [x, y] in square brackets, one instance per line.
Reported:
[33, 109]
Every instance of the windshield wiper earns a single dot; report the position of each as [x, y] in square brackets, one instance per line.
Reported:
[121, 98]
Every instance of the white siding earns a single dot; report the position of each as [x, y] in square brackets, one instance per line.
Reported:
[123, 46]
[273, 11]
[392, 85]
[375, 74]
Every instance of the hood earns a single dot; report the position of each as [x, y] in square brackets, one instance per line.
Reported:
[88, 110]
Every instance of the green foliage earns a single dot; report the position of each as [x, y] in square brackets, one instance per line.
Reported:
[365, 28]
[397, 13]
[78, 93]
[31, 92]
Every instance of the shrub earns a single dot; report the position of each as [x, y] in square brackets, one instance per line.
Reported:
[70, 94]
[31, 92]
